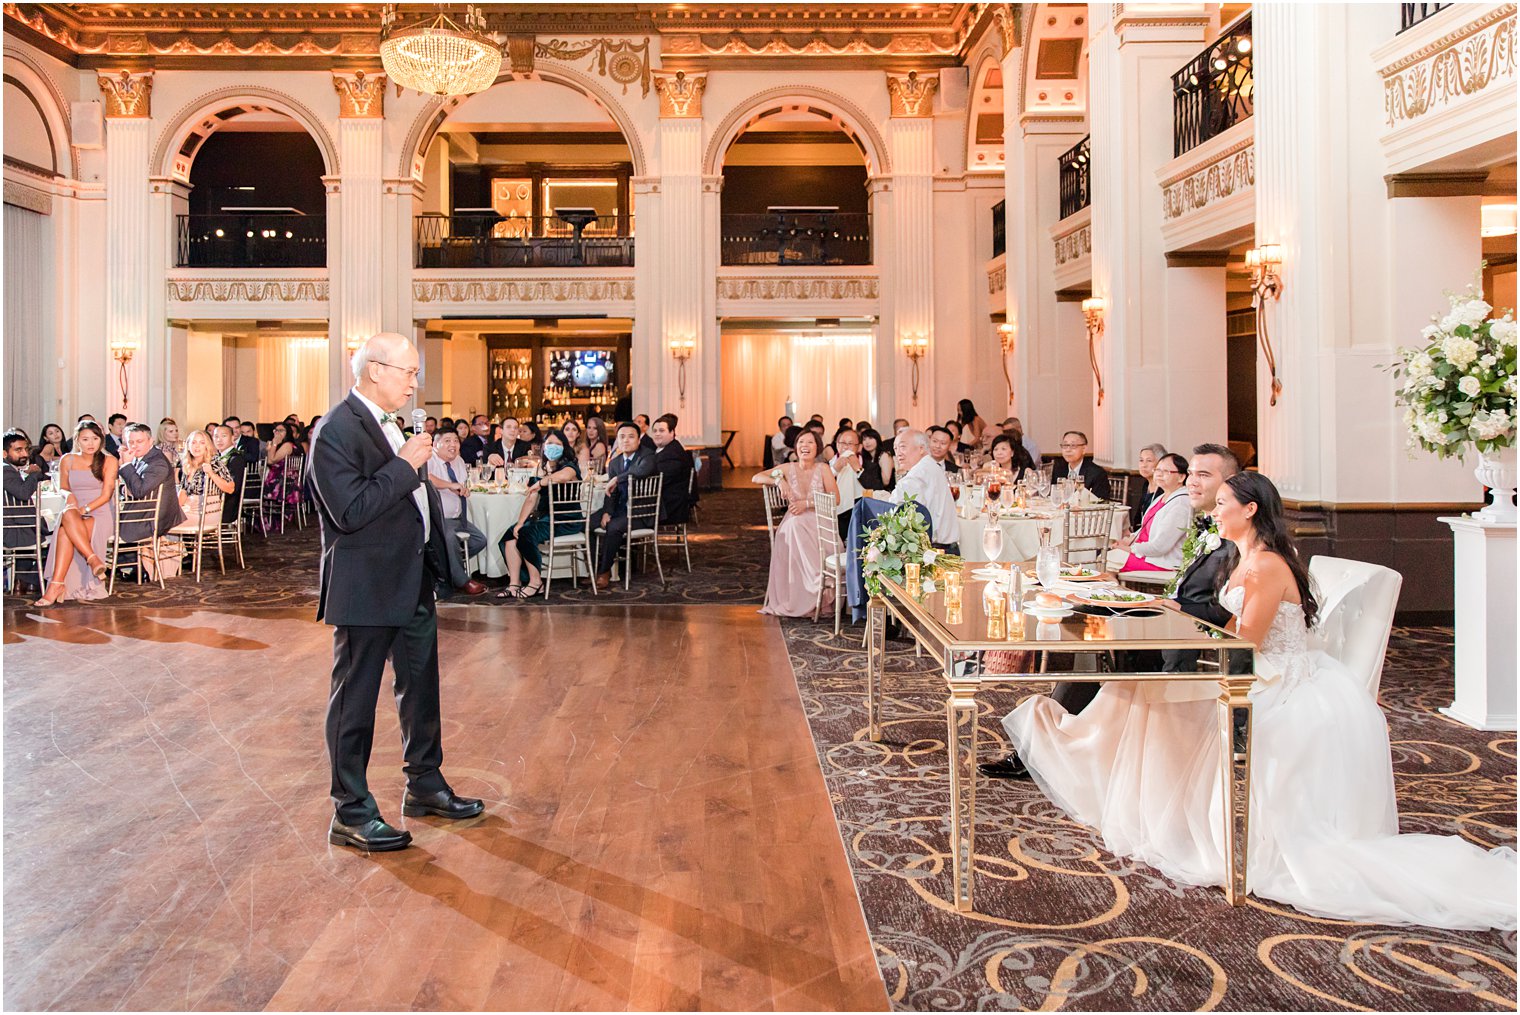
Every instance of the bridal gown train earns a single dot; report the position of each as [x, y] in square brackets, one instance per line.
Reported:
[1324, 820]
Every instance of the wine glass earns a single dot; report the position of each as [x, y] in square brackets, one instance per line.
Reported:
[994, 491]
[992, 539]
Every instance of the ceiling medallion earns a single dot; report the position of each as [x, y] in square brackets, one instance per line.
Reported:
[439, 56]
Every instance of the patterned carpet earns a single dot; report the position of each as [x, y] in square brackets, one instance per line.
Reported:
[1062, 923]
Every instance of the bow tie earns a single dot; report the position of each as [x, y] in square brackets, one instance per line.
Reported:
[1203, 523]
[389, 417]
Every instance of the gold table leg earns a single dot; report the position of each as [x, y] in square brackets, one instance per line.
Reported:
[1235, 756]
[960, 741]
[876, 664]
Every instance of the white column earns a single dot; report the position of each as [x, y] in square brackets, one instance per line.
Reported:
[910, 254]
[1191, 404]
[1485, 609]
[648, 353]
[357, 308]
[128, 266]
[337, 349]
[684, 301]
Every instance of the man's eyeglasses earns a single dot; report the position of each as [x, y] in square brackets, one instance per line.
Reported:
[411, 374]
[1072, 447]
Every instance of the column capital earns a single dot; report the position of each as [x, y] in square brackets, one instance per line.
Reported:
[360, 96]
[680, 94]
[912, 94]
[1007, 24]
[127, 95]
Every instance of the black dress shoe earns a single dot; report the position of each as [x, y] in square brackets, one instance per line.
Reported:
[374, 836]
[1009, 767]
[443, 804]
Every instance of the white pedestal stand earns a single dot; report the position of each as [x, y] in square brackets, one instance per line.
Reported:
[1485, 608]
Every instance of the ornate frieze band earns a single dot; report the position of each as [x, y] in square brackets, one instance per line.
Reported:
[1232, 172]
[538, 290]
[680, 94]
[360, 96]
[1474, 58]
[127, 95]
[1074, 245]
[22, 196]
[811, 288]
[258, 290]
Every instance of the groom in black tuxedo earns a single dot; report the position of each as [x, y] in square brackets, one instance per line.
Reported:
[382, 553]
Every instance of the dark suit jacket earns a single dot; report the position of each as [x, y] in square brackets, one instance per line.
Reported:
[1197, 589]
[472, 450]
[375, 567]
[112, 445]
[1094, 476]
[674, 463]
[641, 466]
[248, 447]
[238, 466]
[141, 477]
[520, 447]
[20, 488]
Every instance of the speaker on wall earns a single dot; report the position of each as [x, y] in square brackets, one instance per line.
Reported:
[88, 126]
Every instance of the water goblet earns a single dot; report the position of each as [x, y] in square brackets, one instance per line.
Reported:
[992, 539]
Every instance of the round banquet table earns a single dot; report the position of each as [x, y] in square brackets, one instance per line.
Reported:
[495, 514]
[1021, 535]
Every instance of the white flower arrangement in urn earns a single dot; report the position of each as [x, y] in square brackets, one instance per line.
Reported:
[1458, 391]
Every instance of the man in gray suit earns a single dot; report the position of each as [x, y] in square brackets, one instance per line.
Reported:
[143, 470]
[21, 478]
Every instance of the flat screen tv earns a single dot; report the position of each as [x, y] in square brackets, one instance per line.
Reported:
[582, 368]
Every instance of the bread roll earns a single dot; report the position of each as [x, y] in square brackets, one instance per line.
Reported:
[1047, 600]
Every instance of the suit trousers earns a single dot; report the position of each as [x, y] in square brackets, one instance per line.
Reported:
[613, 542]
[458, 576]
[359, 655]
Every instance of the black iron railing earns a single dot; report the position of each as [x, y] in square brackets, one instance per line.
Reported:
[1214, 91]
[1076, 177]
[488, 240]
[999, 229]
[251, 241]
[1412, 14]
[797, 237]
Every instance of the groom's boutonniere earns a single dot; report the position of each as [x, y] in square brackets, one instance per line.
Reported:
[1202, 539]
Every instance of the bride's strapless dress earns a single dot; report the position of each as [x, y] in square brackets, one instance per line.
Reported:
[1324, 835]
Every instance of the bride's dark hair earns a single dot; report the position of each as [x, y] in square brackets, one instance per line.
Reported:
[1271, 525]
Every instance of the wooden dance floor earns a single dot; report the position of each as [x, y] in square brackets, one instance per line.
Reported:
[657, 833]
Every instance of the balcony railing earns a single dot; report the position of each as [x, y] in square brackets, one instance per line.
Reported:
[1412, 14]
[797, 237]
[999, 229]
[488, 240]
[1214, 91]
[251, 241]
[1076, 177]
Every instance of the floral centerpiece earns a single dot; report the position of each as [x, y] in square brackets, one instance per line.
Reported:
[1458, 391]
[901, 537]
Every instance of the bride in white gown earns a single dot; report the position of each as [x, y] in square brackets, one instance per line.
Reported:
[1324, 820]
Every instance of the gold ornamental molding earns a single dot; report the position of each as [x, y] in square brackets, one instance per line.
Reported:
[625, 61]
[127, 95]
[912, 94]
[360, 96]
[1007, 26]
[538, 290]
[680, 94]
[238, 290]
[814, 287]
[1075, 245]
[1229, 173]
[1473, 58]
[997, 279]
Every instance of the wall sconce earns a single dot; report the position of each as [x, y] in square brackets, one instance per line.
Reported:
[1092, 312]
[122, 351]
[916, 345]
[353, 343]
[1008, 334]
[1265, 264]
[682, 349]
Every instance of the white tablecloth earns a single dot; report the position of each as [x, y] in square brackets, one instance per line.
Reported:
[495, 514]
[52, 506]
[1021, 536]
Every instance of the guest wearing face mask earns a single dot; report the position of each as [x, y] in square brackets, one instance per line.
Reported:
[520, 545]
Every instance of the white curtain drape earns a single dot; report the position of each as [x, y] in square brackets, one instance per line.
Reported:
[762, 371]
[292, 376]
[29, 338]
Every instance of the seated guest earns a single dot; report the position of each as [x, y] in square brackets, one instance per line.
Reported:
[777, 442]
[941, 441]
[478, 444]
[816, 425]
[528, 431]
[673, 462]
[1141, 499]
[230, 459]
[597, 445]
[1011, 456]
[249, 445]
[1015, 429]
[1157, 544]
[575, 441]
[796, 574]
[973, 426]
[447, 475]
[875, 462]
[511, 446]
[199, 465]
[75, 566]
[631, 461]
[462, 431]
[283, 455]
[115, 424]
[21, 478]
[786, 453]
[924, 479]
[144, 471]
[1074, 462]
[847, 467]
[958, 435]
[169, 440]
[890, 444]
[429, 426]
[642, 422]
[520, 545]
[50, 446]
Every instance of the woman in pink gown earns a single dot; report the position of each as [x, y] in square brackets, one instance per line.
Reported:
[75, 567]
[796, 570]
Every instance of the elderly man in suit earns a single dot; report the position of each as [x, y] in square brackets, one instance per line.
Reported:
[382, 553]
[145, 469]
[1075, 463]
[629, 461]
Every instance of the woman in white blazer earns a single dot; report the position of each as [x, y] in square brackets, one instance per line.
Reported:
[1157, 544]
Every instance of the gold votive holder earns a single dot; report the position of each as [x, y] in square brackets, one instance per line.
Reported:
[953, 589]
[953, 614]
[1016, 626]
[912, 577]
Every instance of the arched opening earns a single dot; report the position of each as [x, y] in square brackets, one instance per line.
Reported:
[984, 134]
[795, 190]
[256, 197]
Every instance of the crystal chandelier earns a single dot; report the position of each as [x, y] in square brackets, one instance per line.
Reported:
[439, 56]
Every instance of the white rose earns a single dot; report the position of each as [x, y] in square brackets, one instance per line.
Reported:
[1211, 541]
[1503, 331]
[1459, 351]
[1470, 386]
[1420, 365]
[1430, 332]
[1487, 360]
[1471, 312]
[930, 556]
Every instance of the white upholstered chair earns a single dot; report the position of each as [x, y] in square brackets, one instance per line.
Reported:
[1357, 602]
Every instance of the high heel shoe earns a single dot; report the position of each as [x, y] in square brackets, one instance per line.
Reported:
[46, 603]
[97, 568]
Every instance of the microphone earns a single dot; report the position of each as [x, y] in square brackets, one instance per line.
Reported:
[419, 418]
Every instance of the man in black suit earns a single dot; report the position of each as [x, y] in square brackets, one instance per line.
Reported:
[673, 462]
[224, 440]
[645, 441]
[115, 423]
[21, 478]
[627, 463]
[1074, 462]
[941, 441]
[474, 448]
[382, 553]
[245, 437]
[144, 469]
[509, 446]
